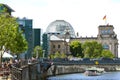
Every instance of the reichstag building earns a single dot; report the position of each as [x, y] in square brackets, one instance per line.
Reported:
[61, 33]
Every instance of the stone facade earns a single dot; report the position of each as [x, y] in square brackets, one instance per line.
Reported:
[106, 36]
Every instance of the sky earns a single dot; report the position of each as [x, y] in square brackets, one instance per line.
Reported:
[84, 15]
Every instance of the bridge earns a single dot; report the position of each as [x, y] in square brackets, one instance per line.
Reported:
[85, 62]
[67, 66]
[43, 69]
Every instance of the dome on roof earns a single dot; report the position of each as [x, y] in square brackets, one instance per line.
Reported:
[60, 26]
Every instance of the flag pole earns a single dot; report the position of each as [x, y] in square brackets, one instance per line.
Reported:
[106, 21]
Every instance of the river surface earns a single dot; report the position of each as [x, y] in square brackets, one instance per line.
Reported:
[81, 76]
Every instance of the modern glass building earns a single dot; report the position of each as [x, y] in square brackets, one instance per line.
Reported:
[45, 45]
[26, 26]
[36, 37]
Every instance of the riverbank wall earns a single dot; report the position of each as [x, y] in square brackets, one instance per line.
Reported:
[70, 69]
[62, 69]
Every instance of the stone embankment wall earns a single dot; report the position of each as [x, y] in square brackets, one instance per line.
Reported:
[69, 69]
[62, 69]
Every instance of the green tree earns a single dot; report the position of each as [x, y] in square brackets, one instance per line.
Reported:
[38, 52]
[19, 45]
[57, 55]
[51, 56]
[10, 36]
[76, 49]
[8, 30]
[107, 54]
[63, 55]
[92, 49]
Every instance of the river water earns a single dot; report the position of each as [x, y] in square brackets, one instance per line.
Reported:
[81, 76]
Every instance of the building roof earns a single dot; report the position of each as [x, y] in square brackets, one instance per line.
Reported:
[8, 7]
[85, 38]
[60, 26]
[55, 38]
[106, 25]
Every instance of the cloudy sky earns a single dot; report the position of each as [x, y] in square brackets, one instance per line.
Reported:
[84, 15]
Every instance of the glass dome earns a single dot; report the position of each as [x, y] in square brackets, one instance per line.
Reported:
[60, 26]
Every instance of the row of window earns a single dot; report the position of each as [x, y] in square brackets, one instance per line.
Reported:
[58, 46]
[106, 31]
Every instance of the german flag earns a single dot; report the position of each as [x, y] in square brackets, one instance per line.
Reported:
[104, 18]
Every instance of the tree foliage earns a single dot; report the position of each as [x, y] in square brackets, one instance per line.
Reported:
[107, 54]
[38, 52]
[76, 49]
[63, 55]
[92, 49]
[8, 30]
[10, 36]
[19, 45]
[57, 55]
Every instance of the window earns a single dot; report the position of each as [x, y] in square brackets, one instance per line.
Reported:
[53, 46]
[58, 51]
[58, 46]
[21, 23]
[106, 31]
[102, 32]
[105, 46]
[109, 31]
